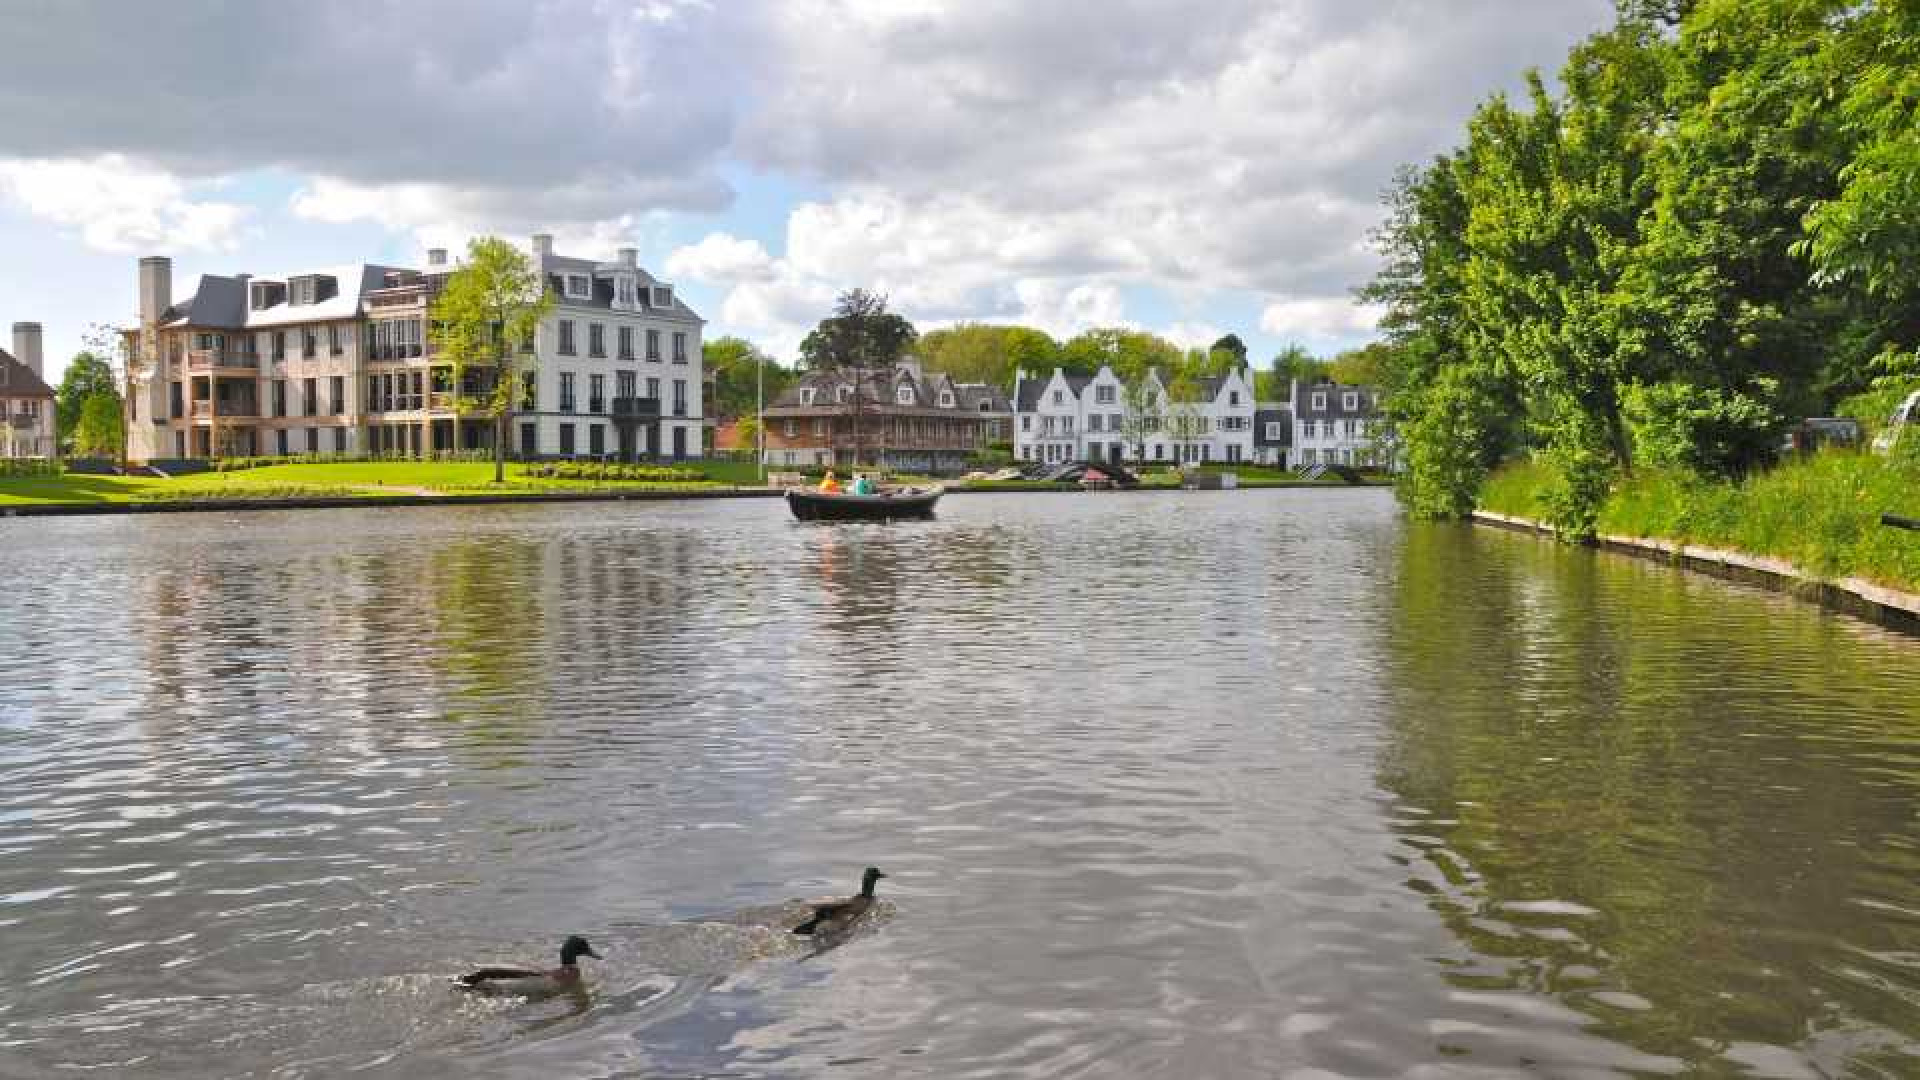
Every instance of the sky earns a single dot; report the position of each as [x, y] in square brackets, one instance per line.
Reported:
[1189, 168]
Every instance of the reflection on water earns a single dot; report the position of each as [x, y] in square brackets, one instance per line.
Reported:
[1249, 784]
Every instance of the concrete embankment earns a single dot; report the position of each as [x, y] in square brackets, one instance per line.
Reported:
[1855, 596]
[338, 502]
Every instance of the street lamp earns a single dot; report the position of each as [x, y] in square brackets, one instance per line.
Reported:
[760, 414]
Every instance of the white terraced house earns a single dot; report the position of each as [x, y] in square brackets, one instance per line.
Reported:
[339, 361]
[1065, 417]
[1336, 424]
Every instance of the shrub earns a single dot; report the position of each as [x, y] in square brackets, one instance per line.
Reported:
[1707, 430]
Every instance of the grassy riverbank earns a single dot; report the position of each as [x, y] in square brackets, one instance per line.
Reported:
[369, 479]
[1822, 513]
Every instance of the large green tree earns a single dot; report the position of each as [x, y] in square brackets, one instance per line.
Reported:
[86, 375]
[1131, 353]
[99, 431]
[484, 321]
[742, 373]
[860, 336]
[988, 353]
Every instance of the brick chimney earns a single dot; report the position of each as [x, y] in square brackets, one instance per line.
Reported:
[436, 256]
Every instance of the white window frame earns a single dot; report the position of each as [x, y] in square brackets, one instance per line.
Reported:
[946, 399]
[577, 286]
[623, 291]
[1103, 395]
[1350, 401]
[1059, 397]
[660, 296]
[903, 395]
[806, 395]
[1026, 421]
[1273, 431]
[842, 394]
[1319, 401]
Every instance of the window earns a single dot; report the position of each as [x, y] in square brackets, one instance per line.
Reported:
[1066, 425]
[335, 339]
[1026, 422]
[843, 394]
[529, 440]
[310, 397]
[280, 398]
[653, 344]
[566, 394]
[1095, 420]
[624, 384]
[1059, 397]
[806, 395]
[596, 439]
[946, 399]
[566, 337]
[279, 345]
[1104, 395]
[1319, 402]
[596, 340]
[623, 291]
[566, 438]
[626, 343]
[309, 342]
[339, 440]
[1350, 401]
[1306, 429]
[578, 286]
[596, 395]
[303, 290]
[662, 296]
[1273, 431]
[820, 425]
[280, 442]
[529, 391]
[1233, 397]
[904, 395]
[679, 347]
[653, 389]
[679, 397]
[791, 429]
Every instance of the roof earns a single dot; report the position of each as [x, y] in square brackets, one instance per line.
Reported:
[221, 302]
[18, 380]
[879, 392]
[601, 273]
[1335, 408]
[1031, 388]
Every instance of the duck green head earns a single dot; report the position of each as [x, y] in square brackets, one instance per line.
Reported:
[868, 879]
[573, 949]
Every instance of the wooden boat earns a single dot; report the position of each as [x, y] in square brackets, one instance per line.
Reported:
[814, 505]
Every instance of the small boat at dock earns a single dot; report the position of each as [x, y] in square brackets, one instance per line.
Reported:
[810, 504]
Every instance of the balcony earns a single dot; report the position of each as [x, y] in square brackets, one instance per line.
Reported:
[24, 421]
[203, 410]
[636, 409]
[211, 359]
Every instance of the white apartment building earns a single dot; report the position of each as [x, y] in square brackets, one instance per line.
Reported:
[340, 361]
[26, 401]
[1065, 417]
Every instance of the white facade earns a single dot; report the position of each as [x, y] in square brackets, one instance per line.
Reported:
[1094, 418]
[1336, 424]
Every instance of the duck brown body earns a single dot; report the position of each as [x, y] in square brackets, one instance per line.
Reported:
[839, 914]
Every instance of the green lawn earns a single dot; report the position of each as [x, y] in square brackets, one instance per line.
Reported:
[367, 478]
[1821, 513]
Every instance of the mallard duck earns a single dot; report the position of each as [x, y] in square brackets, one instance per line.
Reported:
[841, 913]
[526, 982]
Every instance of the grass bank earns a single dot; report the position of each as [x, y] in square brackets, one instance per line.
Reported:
[1821, 513]
[367, 479]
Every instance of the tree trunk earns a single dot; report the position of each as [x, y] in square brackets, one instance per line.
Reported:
[500, 447]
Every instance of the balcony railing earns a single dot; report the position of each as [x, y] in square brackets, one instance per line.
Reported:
[22, 421]
[203, 410]
[636, 408]
[208, 359]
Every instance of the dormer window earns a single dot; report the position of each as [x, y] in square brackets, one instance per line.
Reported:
[1319, 402]
[986, 406]
[662, 296]
[1233, 397]
[623, 291]
[1350, 401]
[806, 395]
[946, 399]
[843, 394]
[266, 294]
[904, 395]
[577, 286]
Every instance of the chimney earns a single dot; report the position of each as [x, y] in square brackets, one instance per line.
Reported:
[436, 256]
[156, 288]
[543, 243]
[629, 256]
[26, 346]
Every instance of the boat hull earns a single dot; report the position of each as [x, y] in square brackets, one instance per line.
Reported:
[814, 506]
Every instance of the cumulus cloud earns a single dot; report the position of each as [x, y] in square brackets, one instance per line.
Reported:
[117, 205]
[1319, 321]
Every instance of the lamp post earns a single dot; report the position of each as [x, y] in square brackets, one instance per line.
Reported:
[760, 415]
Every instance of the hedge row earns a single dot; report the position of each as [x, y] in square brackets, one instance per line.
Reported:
[650, 474]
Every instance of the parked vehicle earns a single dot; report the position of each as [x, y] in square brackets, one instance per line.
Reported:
[1817, 432]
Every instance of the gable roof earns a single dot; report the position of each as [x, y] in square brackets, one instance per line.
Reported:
[18, 380]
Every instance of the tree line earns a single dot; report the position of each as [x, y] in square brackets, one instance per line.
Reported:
[1706, 231]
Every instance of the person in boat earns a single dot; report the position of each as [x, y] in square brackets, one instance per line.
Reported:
[829, 484]
[862, 485]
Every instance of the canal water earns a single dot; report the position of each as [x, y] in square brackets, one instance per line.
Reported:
[1239, 784]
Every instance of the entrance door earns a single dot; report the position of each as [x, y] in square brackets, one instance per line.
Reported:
[679, 442]
[653, 440]
[529, 440]
[625, 434]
